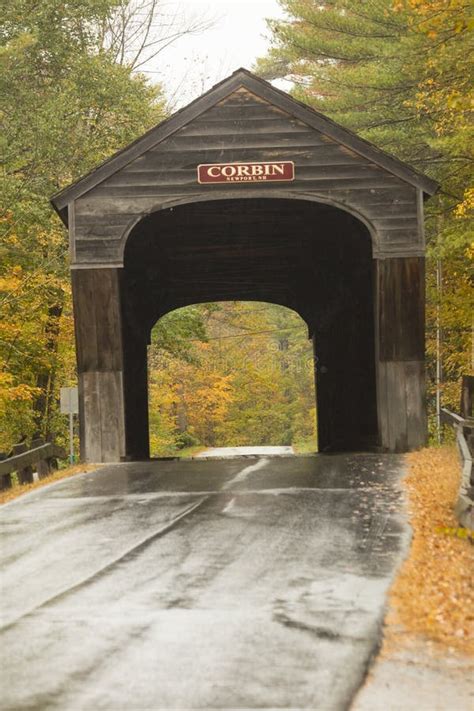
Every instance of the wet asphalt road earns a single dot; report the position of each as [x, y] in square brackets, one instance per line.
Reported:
[243, 583]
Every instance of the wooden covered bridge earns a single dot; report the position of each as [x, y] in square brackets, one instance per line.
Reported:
[247, 194]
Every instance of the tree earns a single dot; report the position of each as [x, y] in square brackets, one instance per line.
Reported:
[65, 106]
[246, 376]
[399, 73]
[137, 31]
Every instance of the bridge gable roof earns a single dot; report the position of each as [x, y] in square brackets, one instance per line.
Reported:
[240, 79]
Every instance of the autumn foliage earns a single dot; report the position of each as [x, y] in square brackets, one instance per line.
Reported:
[247, 378]
[433, 595]
[65, 105]
[398, 72]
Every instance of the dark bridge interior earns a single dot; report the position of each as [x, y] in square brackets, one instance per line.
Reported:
[311, 257]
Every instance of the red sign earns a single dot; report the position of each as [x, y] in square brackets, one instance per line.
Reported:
[245, 172]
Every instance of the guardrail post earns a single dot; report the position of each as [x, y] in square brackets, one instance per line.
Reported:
[42, 467]
[41, 457]
[25, 475]
[6, 481]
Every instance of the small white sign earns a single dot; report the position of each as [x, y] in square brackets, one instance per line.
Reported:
[69, 401]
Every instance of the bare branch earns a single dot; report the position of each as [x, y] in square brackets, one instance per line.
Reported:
[139, 30]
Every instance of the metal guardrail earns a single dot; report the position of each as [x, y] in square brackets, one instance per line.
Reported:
[23, 461]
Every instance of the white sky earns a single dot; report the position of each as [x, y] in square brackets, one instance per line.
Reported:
[235, 39]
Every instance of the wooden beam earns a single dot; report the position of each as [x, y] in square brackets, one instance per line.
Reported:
[30, 457]
[400, 353]
[99, 351]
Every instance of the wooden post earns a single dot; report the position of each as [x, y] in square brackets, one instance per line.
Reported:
[137, 445]
[42, 466]
[6, 481]
[345, 355]
[323, 377]
[111, 341]
[98, 327]
[400, 297]
[25, 475]
[345, 386]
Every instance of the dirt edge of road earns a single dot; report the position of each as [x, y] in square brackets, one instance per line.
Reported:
[427, 649]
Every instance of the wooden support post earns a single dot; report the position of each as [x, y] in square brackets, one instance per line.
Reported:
[344, 350]
[98, 326]
[43, 465]
[400, 326]
[111, 340]
[136, 330]
[322, 377]
[137, 445]
[6, 481]
[345, 386]
[25, 475]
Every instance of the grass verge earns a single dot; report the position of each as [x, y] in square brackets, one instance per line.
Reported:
[305, 446]
[190, 451]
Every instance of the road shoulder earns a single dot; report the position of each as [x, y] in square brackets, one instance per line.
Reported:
[427, 653]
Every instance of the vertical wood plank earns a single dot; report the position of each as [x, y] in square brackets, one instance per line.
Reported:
[91, 436]
[136, 326]
[71, 214]
[400, 348]
[467, 396]
[397, 404]
[401, 304]
[6, 481]
[25, 475]
[382, 403]
[110, 388]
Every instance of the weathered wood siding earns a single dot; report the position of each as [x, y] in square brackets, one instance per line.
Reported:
[313, 258]
[99, 352]
[401, 353]
[166, 174]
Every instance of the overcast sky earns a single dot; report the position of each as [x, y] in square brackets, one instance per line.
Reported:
[235, 39]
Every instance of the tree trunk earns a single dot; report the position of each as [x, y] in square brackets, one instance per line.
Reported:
[45, 380]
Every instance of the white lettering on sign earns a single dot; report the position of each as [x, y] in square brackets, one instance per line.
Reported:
[245, 172]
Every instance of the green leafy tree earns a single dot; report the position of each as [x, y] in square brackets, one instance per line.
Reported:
[230, 374]
[65, 105]
[400, 74]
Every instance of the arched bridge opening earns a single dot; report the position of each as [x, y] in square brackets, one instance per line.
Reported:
[231, 374]
[310, 257]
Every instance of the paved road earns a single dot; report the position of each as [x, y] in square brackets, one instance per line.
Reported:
[246, 583]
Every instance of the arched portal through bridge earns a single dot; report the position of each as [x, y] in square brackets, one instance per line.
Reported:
[247, 194]
[307, 256]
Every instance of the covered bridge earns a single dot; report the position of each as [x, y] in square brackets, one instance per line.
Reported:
[247, 194]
